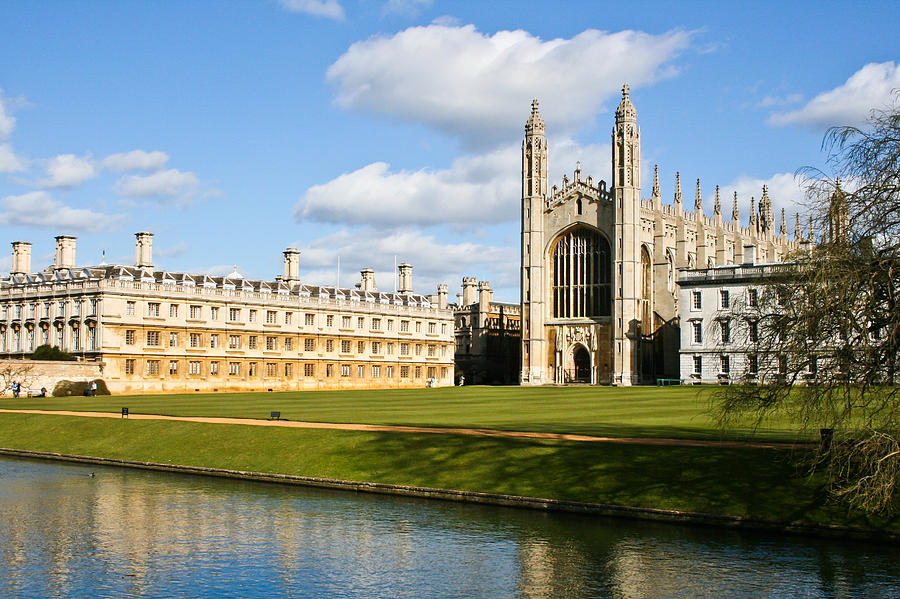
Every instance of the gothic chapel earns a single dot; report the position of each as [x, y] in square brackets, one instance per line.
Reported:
[599, 263]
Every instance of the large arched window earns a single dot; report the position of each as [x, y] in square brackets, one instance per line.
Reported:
[580, 263]
[646, 288]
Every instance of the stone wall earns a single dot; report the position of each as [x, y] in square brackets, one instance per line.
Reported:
[34, 374]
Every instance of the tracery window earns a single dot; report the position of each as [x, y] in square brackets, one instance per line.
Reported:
[580, 266]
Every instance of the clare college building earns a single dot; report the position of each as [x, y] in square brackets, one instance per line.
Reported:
[600, 262]
[159, 331]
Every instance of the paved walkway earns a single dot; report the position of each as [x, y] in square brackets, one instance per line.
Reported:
[478, 432]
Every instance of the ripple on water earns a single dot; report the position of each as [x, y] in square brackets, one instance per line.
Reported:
[126, 533]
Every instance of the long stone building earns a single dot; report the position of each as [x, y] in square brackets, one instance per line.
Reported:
[160, 331]
[599, 268]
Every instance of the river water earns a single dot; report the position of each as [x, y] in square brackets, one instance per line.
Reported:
[129, 533]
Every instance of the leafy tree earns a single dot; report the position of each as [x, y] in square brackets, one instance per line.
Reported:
[46, 352]
[827, 326]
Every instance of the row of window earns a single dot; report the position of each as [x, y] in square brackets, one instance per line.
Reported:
[14, 341]
[271, 317]
[195, 340]
[724, 331]
[47, 309]
[752, 364]
[251, 369]
[724, 299]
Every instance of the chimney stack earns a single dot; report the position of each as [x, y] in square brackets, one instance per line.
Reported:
[442, 296]
[404, 284]
[291, 266]
[65, 252]
[468, 285]
[21, 258]
[485, 296]
[368, 280]
[143, 250]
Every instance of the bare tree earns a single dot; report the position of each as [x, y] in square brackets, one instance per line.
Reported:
[16, 371]
[827, 324]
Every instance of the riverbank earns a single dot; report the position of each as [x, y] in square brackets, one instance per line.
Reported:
[722, 486]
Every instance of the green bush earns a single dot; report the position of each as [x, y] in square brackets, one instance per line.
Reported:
[45, 352]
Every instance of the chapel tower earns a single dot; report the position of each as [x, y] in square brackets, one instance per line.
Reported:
[534, 192]
[626, 189]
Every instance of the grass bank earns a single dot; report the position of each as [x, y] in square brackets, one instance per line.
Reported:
[741, 482]
[669, 412]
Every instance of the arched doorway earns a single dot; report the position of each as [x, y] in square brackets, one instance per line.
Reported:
[582, 361]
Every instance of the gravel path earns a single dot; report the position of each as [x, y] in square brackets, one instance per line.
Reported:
[477, 432]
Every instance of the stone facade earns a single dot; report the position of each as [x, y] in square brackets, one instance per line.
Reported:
[599, 294]
[157, 331]
[718, 334]
[488, 336]
[34, 375]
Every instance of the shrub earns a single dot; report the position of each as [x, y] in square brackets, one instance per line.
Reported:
[45, 352]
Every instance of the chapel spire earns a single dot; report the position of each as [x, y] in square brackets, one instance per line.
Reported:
[766, 219]
[626, 146]
[782, 231]
[698, 200]
[626, 111]
[798, 233]
[535, 124]
[717, 209]
[678, 189]
[735, 212]
[534, 156]
[657, 197]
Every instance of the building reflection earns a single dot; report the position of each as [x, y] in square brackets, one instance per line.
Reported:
[128, 533]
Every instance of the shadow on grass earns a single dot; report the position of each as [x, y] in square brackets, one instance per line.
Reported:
[753, 483]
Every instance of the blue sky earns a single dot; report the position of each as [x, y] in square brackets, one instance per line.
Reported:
[379, 129]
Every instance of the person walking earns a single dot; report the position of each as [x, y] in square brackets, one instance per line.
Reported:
[15, 388]
[93, 388]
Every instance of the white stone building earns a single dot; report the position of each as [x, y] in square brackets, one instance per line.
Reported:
[720, 321]
[160, 331]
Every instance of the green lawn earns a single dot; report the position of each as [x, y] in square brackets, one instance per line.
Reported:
[675, 412]
[743, 482]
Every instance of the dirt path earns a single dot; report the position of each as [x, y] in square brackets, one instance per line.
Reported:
[477, 432]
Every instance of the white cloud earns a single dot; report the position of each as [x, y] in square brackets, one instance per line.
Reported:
[9, 162]
[7, 121]
[475, 190]
[68, 170]
[409, 8]
[479, 87]
[135, 160]
[784, 191]
[433, 261]
[164, 184]
[219, 270]
[39, 209]
[330, 9]
[848, 104]
[171, 252]
[770, 101]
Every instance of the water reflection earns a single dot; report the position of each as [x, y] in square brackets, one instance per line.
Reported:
[125, 533]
